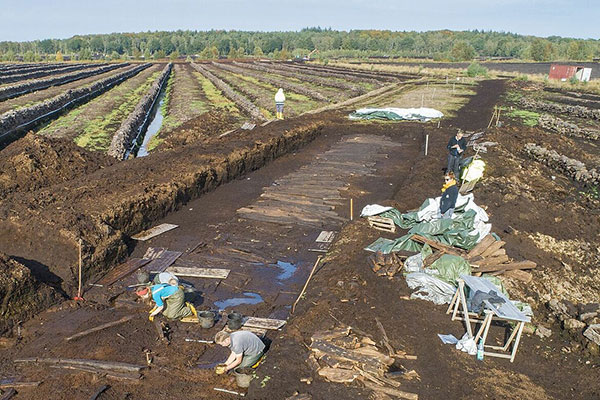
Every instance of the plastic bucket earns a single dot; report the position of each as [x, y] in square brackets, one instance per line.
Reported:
[234, 321]
[207, 319]
[242, 380]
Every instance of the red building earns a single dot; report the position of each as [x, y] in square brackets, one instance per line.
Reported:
[564, 72]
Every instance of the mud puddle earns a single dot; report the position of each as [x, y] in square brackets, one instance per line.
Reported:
[249, 298]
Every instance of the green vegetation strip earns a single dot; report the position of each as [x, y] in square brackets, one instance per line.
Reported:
[98, 133]
[215, 96]
[529, 118]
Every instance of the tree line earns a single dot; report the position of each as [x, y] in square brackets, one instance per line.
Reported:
[327, 43]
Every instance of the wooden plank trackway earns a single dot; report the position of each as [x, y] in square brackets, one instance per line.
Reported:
[309, 195]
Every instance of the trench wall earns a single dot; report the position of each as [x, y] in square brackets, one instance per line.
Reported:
[131, 127]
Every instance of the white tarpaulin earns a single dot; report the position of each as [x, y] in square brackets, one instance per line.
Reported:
[392, 113]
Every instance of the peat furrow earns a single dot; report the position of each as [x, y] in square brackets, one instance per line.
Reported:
[280, 83]
[558, 125]
[574, 169]
[364, 72]
[260, 102]
[135, 123]
[388, 76]
[10, 67]
[312, 71]
[11, 91]
[21, 76]
[576, 111]
[293, 73]
[24, 118]
[238, 99]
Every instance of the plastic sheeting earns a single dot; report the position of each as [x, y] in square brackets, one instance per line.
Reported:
[430, 288]
[374, 209]
[465, 229]
[473, 171]
[397, 114]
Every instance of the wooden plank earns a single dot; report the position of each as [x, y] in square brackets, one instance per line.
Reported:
[382, 223]
[17, 384]
[154, 231]
[102, 372]
[345, 354]
[160, 264]
[499, 252]
[122, 271]
[154, 252]
[214, 273]
[100, 327]
[481, 246]
[264, 323]
[338, 375]
[497, 245]
[8, 394]
[325, 237]
[509, 266]
[436, 245]
[392, 392]
[105, 365]
[491, 261]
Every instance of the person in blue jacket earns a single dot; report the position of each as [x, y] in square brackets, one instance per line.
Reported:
[449, 196]
[170, 300]
[456, 147]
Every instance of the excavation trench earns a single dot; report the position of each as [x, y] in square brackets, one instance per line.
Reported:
[51, 241]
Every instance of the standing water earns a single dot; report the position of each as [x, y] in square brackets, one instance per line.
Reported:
[156, 118]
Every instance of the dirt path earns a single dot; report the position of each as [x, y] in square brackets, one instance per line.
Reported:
[40, 95]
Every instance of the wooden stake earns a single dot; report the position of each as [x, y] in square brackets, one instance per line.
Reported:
[306, 284]
[351, 209]
[427, 141]
[79, 297]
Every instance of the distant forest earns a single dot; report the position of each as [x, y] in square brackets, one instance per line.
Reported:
[323, 43]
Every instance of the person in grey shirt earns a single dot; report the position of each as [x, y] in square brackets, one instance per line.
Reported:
[246, 348]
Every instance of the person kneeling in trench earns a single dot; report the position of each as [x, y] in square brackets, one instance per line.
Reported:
[246, 349]
[170, 299]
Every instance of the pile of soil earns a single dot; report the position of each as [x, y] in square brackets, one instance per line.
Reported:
[201, 128]
[34, 162]
[21, 294]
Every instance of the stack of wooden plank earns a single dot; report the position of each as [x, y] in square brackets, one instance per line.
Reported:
[385, 264]
[340, 355]
[489, 256]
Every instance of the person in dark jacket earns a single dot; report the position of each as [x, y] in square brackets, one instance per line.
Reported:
[456, 146]
[449, 196]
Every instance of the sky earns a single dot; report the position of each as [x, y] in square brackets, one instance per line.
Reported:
[25, 20]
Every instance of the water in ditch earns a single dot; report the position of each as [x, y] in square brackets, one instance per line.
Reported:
[156, 121]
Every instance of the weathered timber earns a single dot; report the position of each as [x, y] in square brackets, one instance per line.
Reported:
[215, 273]
[497, 245]
[481, 246]
[98, 392]
[338, 375]
[154, 231]
[8, 394]
[122, 271]
[436, 245]
[509, 266]
[385, 340]
[492, 261]
[100, 327]
[105, 365]
[392, 392]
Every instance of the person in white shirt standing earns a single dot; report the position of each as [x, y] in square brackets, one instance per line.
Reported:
[279, 100]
